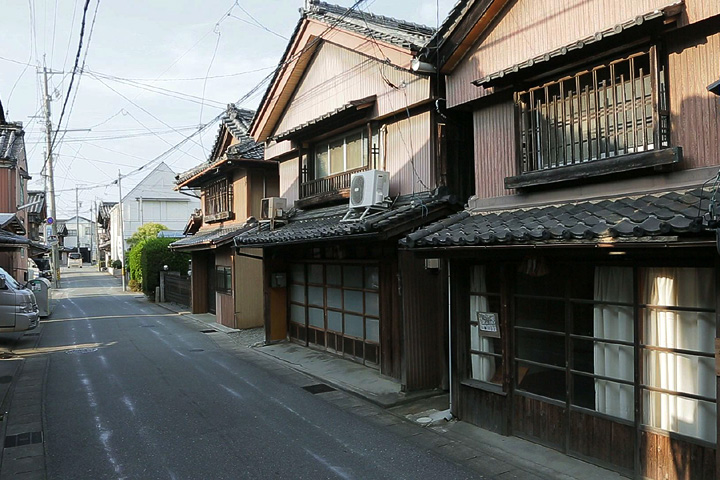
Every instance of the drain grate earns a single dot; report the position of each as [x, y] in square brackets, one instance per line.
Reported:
[27, 438]
[318, 388]
[6, 379]
[210, 330]
[81, 351]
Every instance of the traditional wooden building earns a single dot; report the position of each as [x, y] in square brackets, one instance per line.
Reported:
[584, 271]
[346, 101]
[231, 185]
[14, 176]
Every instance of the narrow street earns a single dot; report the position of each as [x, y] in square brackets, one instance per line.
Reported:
[134, 391]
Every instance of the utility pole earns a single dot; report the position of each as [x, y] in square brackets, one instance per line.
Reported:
[122, 231]
[93, 215]
[51, 179]
[77, 221]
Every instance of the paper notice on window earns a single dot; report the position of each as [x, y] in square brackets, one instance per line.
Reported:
[488, 325]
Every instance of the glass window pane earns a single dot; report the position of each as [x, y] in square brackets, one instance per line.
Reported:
[297, 314]
[695, 418]
[315, 274]
[372, 330]
[679, 373]
[337, 157]
[334, 321]
[297, 293]
[372, 304]
[353, 301]
[334, 298]
[541, 313]
[315, 296]
[333, 274]
[353, 276]
[372, 278]
[682, 330]
[541, 381]
[354, 151]
[354, 325]
[316, 317]
[604, 396]
[322, 168]
[541, 347]
[297, 273]
[486, 368]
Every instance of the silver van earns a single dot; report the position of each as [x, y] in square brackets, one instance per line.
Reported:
[18, 308]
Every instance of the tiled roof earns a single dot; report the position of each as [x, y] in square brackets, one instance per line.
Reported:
[11, 223]
[37, 201]
[325, 223]
[218, 236]
[9, 238]
[396, 32]
[12, 145]
[660, 214]
[237, 122]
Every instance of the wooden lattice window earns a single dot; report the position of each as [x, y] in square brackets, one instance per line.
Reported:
[218, 198]
[612, 109]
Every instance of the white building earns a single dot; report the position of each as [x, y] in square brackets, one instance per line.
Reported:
[153, 200]
[82, 230]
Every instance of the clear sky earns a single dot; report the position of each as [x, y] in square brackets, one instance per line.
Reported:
[154, 71]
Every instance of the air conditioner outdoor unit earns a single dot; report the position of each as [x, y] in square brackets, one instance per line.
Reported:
[273, 207]
[369, 188]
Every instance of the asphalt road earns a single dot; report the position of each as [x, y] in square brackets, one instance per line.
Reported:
[134, 391]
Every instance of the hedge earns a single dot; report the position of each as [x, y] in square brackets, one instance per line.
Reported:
[147, 258]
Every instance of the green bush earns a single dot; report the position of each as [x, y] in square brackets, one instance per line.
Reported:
[117, 264]
[147, 259]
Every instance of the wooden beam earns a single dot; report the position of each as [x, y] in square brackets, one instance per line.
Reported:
[622, 163]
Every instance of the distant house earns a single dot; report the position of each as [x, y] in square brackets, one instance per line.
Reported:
[103, 231]
[231, 184]
[153, 200]
[84, 238]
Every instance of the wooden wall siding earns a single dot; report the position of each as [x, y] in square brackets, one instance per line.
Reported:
[225, 310]
[609, 442]
[8, 178]
[481, 408]
[248, 283]
[695, 112]
[540, 421]
[289, 181]
[520, 32]
[240, 195]
[494, 149]
[390, 323]
[336, 76]
[257, 192]
[223, 256]
[410, 139]
[198, 283]
[663, 457]
[424, 322]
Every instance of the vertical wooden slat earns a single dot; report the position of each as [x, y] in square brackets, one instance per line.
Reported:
[571, 124]
[548, 126]
[532, 160]
[579, 115]
[557, 125]
[596, 93]
[606, 118]
[633, 101]
[616, 128]
[624, 112]
[643, 105]
[563, 122]
[655, 96]
[588, 124]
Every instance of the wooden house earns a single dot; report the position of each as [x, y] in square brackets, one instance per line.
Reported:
[231, 185]
[14, 177]
[346, 101]
[584, 270]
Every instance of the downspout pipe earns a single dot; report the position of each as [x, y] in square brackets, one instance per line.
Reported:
[450, 351]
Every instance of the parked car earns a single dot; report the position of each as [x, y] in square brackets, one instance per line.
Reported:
[18, 308]
[75, 260]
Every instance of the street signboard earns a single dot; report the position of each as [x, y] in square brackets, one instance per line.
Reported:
[48, 231]
[50, 220]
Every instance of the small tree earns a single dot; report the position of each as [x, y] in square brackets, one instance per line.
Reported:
[148, 230]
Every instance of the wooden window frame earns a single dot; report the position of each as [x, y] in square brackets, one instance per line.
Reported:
[218, 201]
[223, 279]
[587, 123]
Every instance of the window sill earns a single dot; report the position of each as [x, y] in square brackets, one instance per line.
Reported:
[596, 168]
[487, 387]
[218, 217]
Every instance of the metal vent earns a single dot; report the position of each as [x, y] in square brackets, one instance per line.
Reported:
[357, 188]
